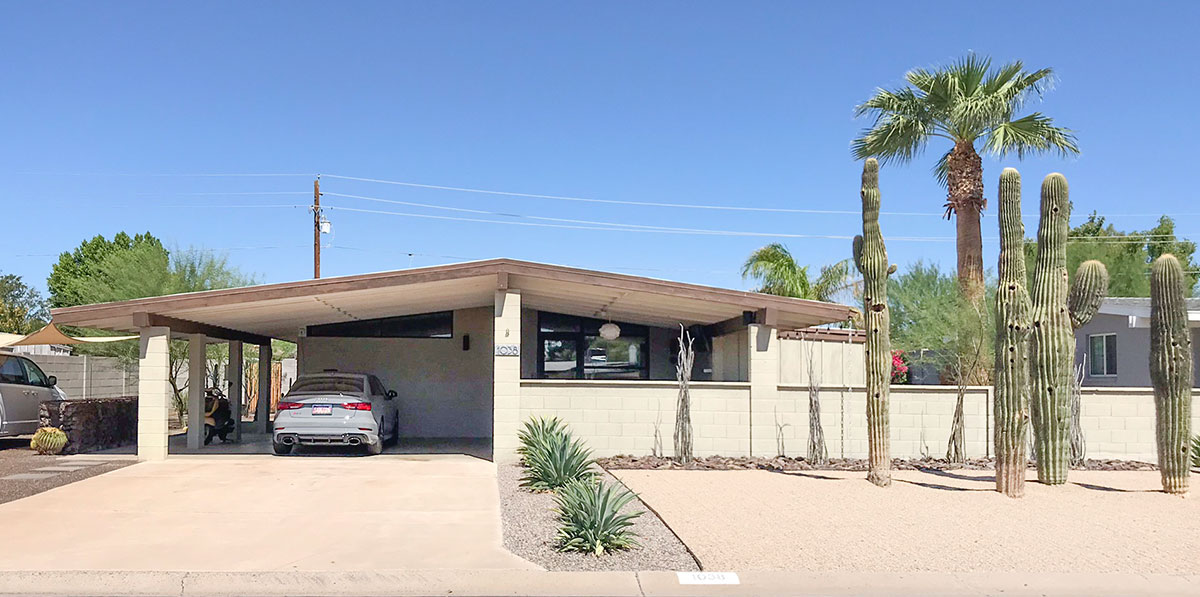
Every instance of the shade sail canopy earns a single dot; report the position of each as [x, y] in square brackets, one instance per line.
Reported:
[256, 313]
[50, 334]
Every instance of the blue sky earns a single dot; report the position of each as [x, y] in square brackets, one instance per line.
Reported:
[745, 104]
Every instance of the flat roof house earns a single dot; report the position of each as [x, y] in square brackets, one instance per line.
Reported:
[475, 348]
[1116, 343]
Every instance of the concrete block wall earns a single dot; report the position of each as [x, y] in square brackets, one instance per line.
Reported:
[1119, 422]
[620, 417]
[89, 376]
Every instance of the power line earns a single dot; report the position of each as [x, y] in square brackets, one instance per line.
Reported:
[684, 205]
[617, 227]
[1135, 238]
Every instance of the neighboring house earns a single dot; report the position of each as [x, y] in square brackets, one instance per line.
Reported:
[1116, 343]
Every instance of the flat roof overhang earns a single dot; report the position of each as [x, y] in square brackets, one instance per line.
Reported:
[254, 313]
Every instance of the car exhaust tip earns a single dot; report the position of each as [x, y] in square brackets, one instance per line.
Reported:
[287, 440]
[353, 441]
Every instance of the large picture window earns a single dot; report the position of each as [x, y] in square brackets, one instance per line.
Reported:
[1102, 354]
[570, 347]
[425, 325]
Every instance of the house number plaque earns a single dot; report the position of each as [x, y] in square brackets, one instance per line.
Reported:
[508, 350]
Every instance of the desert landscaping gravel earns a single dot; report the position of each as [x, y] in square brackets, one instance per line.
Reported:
[784, 463]
[530, 526]
[17, 458]
[926, 521]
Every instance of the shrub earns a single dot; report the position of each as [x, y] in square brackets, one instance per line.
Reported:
[539, 432]
[48, 440]
[556, 462]
[591, 517]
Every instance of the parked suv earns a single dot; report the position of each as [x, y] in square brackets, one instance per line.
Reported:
[23, 387]
[334, 408]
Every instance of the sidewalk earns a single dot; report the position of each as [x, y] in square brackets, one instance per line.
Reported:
[477, 583]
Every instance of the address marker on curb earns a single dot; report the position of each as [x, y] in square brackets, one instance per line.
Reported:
[708, 578]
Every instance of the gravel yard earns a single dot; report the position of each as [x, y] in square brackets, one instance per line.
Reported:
[17, 459]
[530, 526]
[927, 521]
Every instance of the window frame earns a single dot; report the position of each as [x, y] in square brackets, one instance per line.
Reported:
[583, 330]
[347, 329]
[1104, 362]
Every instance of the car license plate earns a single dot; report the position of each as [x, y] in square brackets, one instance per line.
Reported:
[322, 409]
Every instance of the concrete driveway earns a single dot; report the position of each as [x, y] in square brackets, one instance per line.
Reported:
[258, 513]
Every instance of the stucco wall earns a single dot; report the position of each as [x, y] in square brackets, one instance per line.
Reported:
[1133, 352]
[443, 390]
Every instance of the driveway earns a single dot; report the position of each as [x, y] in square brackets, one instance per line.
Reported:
[259, 513]
[944, 522]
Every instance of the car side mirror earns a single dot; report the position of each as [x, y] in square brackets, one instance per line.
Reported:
[51, 381]
[391, 394]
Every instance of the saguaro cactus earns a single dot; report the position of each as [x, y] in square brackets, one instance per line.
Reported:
[870, 256]
[1171, 371]
[1052, 345]
[1087, 292]
[1013, 315]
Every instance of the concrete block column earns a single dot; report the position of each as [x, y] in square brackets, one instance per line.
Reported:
[764, 392]
[235, 386]
[262, 413]
[154, 392]
[197, 370]
[506, 374]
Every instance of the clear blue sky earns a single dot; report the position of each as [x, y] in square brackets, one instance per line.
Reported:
[685, 102]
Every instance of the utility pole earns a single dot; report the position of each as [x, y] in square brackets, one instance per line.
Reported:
[316, 209]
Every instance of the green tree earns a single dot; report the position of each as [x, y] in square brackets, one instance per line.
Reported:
[1127, 255]
[778, 273]
[22, 309]
[142, 269]
[974, 108]
[83, 261]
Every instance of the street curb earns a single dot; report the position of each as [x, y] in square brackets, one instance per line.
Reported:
[496, 583]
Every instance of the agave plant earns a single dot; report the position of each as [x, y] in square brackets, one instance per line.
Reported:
[1196, 451]
[592, 519]
[556, 462]
[539, 432]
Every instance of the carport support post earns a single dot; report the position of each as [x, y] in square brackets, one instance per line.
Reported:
[154, 392]
[197, 374]
[506, 374]
[262, 412]
[235, 387]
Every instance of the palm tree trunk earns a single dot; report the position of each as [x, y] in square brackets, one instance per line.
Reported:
[965, 200]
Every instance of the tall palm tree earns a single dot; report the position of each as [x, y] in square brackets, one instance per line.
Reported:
[778, 273]
[965, 103]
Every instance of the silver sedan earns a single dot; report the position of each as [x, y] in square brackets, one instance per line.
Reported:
[335, 408]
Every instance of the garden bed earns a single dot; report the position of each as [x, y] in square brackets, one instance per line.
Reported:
[530, 527]
[783, 463]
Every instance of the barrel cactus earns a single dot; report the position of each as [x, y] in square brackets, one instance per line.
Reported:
[48, 440]
[1013, 313]
[1171, 371]
[870, 257]
[1052, 345]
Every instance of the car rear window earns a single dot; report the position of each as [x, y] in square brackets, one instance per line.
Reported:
[310, 385]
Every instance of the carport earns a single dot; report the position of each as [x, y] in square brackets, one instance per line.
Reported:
[460, 343]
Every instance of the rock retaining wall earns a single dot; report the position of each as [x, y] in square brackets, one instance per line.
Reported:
[95, 424]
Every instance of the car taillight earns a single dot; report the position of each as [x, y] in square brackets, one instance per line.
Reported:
[357, 406]
[289, 406]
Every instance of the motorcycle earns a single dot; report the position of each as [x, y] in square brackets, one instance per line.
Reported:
[218, 416]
